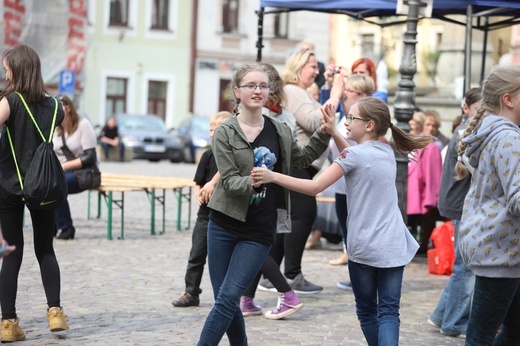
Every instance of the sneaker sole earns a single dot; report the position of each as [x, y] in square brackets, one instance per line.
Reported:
[307, 292]
[436, 325]
[286, 313]
[251, 313]
[267, 289]
[59, 329]
[343, 287]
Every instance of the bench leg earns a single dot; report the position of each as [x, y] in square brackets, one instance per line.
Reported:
[109, 216]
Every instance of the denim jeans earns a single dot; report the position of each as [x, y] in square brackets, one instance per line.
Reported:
[63, 217]
[495, 301]
[197, 260]
[452, 311]
[233, 264]
[377, 292]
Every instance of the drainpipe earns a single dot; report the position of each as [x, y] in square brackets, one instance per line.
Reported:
[193, 54]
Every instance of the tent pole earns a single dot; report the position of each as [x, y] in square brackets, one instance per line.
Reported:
[404, 102]
[484, 50]
[467, 49]
[260, 33]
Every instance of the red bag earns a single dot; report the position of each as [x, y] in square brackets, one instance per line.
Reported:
[442, 256]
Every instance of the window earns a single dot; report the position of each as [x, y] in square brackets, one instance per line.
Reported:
[116, 96]
[157, 98]
[160, 13]
[230, 15]
[367, 45]
[119, 12]
[281, 25]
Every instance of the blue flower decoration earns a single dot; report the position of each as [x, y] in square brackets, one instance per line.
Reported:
[263, 156]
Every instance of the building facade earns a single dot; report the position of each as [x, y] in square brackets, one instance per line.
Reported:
[227, 36]
[137, 59]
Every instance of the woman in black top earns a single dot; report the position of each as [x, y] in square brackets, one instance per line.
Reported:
[23, 75]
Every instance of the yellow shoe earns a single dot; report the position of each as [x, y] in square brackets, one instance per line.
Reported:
[57, 321]
[11, 331]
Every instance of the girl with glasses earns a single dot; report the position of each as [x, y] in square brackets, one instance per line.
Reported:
[379, 244]
[243, 217]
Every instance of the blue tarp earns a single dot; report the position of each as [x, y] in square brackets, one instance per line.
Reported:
[381, 8]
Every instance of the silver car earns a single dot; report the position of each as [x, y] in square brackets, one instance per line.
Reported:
[149, 138]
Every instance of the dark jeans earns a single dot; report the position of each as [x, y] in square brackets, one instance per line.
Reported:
[378, 293]
[303, 212]
[496, 301]
[198, 254]
[63, 217]
[106, 150]
[11, 219]
[232, 264]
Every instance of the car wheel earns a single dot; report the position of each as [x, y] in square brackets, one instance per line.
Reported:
[186, 154]
[154, 160]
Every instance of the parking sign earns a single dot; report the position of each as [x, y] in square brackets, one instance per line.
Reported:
[67, 82]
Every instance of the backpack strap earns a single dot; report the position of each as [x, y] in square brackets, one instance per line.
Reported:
[37, 127]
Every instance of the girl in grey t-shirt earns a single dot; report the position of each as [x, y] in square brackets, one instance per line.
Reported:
[379, 244]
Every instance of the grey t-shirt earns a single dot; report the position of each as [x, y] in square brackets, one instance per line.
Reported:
[377, 234]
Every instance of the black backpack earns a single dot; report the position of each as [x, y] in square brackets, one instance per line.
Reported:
[44, 185]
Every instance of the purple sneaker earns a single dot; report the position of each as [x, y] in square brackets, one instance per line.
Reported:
[248, 307]
[288, 303]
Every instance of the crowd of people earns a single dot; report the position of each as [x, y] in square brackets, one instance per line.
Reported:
[257, 186]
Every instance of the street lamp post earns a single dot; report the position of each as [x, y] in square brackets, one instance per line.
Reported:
[404, 103]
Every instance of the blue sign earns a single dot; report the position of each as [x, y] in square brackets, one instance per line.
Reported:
[67, 82]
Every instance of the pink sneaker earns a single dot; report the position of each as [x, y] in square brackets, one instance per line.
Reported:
[248, 307]
[288, 303]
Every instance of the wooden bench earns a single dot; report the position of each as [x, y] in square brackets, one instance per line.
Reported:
[152, 185]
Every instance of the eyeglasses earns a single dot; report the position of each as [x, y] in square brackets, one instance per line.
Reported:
[351, 118]
[350, 91]
[252, 87]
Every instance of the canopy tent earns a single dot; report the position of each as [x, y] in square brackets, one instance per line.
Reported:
[378, 11]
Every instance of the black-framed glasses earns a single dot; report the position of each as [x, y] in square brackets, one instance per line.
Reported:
[351, 118]
[252, 87]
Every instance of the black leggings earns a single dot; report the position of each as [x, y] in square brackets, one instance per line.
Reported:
[11, 219]
[271, 271]
[303, 214]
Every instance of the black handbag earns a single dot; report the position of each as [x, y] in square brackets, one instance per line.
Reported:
[87, 177]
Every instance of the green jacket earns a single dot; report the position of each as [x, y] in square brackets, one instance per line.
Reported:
[235, 161]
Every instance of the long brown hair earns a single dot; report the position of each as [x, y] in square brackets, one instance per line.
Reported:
[276, 84]
[26, 73]
[374, 109]
[73, 115]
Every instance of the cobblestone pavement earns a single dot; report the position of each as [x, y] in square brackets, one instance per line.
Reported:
[119, 292]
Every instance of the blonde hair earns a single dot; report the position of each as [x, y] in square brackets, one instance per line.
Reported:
[418, 117]
[220, 117]
[291, 73]
[371, 108]
[502, 80]
[361, 84]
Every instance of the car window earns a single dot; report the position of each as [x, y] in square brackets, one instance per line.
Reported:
[141, 123]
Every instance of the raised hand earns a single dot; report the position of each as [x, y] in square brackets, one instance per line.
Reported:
[328, 120]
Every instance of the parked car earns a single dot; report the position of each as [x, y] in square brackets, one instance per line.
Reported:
[194, 133]
[149, 138]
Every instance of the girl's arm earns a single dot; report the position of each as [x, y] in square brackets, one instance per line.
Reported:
[261, 175]
[4, 111]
